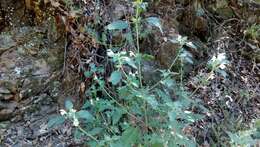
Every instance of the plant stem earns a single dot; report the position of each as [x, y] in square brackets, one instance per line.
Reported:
[175, 59]
[86, 133]
[203, 84]
[145, 114]
[137, 23]
[181, 72]
[173, 62]
[107, 93]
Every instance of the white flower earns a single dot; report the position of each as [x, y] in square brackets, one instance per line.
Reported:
[222, 66]
[212, 76]
[218, 61]
[221, 57]
[17, 70]
[63, 112]
[76, 122]
[73, 110]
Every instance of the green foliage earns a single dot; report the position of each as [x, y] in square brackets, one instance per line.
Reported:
[115, 77]
[154, 21]
[247, 137]
[127, 112]
[68, 105]
[55, 121]
[84, 115]
[117, 25]
[129, 137]
[253, 31]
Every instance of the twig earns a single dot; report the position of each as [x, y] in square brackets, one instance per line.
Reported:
[65, 54]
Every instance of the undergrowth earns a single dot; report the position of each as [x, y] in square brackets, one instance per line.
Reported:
[125, 110]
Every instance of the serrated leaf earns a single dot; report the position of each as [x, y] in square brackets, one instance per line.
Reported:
[191, 45]
[130, 136]
[55, 121]
[87, 74]
[116, 115]
[129, 38]
[154, 21]
[77, 134]
[85, 115]
[172, 116]
[115, 77]
[151, 100]
[117, 25]
[110, 53]
[257, 123]
[168, 82]
[130, 62]
[95, 131]
[124, 93]
[223, 73]
[103, 105]
[86, 105]
[68, 104]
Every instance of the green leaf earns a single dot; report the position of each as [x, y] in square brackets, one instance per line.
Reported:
[190, 116]
[168, 82]
[95, 131]
[117, 25]
[116, 115]
[85, 115]
[110, 53]
[191, 45]
[125, 93]
[92, 32]
[115, 77]
[86, 105]
[172, 116]
[68, 104]
[150, 99]
[87, 74]
[154, 21]
[148, 57]
[257, 123]
[77, 134]
[130, 136]
[129, 38]
[103, 105]
[55, 121]
[157, 144]
[186, 56]
[130, 62]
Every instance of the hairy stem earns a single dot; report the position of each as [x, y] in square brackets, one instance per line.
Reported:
[137, 23]
[86, 133]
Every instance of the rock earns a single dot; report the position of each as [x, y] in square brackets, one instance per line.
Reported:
[167, 53]
[7, 97]
[15, 14]
[118, 9]
[5, 114]
[222, 8]
[41, 68]
[24, 71]
[201, 27]
[7, 110]
[2, 18]
[6, 42]
[8, 87]
[190, 23]
[4, 90]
